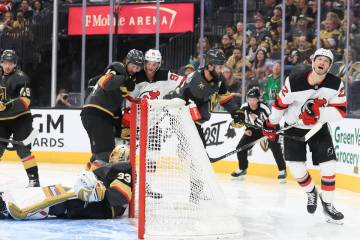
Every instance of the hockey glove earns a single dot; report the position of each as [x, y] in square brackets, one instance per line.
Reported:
[88, 188]
[310, 112]
[2, 107]
[269, 130]
[238, 116]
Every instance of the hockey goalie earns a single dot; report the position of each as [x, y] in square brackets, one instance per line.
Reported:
[102, 193]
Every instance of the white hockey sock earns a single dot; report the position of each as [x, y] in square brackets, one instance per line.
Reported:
[302, 176]
[327, 171]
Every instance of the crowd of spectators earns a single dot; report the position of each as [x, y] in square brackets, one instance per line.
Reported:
[263, 41]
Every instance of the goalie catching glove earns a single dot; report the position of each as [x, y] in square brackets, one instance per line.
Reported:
[269, 130]
[88, 188]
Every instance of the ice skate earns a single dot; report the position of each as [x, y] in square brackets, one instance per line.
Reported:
[33, 183]
[331, 214]
[239, 174]
[282, 176]
[3, 210]
[312, 201]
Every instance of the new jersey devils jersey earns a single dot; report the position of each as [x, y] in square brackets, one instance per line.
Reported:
[297, 91]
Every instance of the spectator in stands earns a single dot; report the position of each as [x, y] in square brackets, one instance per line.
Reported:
[227, 46]
[26, 10]
[259, 66]
[329, 36]
[263, 36]
[293, 58]
[21, 24]
[6, 6]
[305, 50]
[235, 64]
[62, 99]
[343, 36]
[6, 23]
[238, 36]
[230, 31]
[353, 67]
[275, 18]
[304, 9]
[189, 69]
[291, 13]
[266, 10]
[233, 84]
[272, 85]
[39, 12]
[301, 29]
[195, 60]
[276, 35]
[252, 47]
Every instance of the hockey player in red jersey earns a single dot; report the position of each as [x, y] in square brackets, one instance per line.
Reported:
[311, 95]
[102, 193]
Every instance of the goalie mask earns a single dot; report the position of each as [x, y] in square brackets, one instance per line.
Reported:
[119, 154]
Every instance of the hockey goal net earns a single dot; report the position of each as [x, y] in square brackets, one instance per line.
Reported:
[177, 195]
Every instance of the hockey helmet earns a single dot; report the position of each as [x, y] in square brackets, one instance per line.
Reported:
[153, 55]
[120, 154]
[323, 52]
[215, 57]
[118, 67]
[253, 92]
[136, 57]
[9, 55]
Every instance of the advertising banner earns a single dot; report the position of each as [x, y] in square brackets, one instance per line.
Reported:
[133, 19]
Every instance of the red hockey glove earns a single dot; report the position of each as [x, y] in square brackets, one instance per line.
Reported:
[269, 130]
[310, 112]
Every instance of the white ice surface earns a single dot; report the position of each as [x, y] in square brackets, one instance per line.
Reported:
[267, 210]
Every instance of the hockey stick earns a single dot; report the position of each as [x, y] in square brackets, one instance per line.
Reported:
[246, 146]
[304, 138]
[24, 142]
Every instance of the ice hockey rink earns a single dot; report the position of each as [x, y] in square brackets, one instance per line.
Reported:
[267, 210]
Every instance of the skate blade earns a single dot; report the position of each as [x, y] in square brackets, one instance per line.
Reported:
[332, 221]
[282, 181]
[240, 178]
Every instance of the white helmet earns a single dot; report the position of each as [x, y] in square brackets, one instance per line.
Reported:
[153, 55]
[323, 52]
[120, 154]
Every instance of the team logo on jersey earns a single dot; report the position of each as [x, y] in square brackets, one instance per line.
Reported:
[2, 93]
[150, 94]
[330, 151]
[201, 85]
[342, 92]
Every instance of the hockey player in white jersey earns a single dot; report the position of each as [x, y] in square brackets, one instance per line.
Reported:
[310, 96]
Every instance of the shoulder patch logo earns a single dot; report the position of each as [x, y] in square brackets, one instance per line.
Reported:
[284, 91]
[341, 92]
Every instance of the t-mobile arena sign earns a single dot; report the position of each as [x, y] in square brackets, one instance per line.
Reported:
[134, 19]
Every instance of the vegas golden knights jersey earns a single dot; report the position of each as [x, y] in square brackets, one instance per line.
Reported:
[15, 93]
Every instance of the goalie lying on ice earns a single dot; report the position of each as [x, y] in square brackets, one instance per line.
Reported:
[99, 194]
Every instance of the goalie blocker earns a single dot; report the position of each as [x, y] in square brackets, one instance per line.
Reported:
[99, 194]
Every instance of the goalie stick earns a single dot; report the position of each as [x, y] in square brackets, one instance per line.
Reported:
[24, 142]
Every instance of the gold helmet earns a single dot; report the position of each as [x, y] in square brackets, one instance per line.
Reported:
[119, 154]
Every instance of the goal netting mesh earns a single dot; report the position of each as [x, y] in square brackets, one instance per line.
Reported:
[178, 193]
